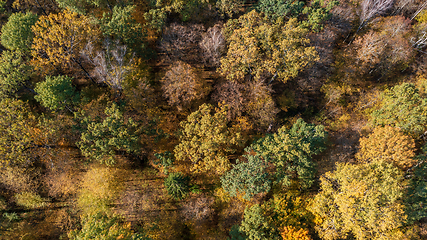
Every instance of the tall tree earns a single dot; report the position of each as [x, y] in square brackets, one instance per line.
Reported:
[404, 107]
[205, 140]
[14, 73]
[365, 200]
[16, 34]
[388, 144]
[181, 85]
[259, 48]
[59, 40]
[100, 139]
[15, 132]
[248, 177]
[291, 152]
[56, 93]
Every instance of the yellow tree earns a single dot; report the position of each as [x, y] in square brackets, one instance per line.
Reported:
[59, 39]
[388, 144]
[205, 140]
[258, 48]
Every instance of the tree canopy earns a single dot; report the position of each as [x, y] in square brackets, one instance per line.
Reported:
[16, 34]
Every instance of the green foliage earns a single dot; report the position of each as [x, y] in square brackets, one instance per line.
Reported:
[261, 49]
[16, 34]
[100, 139]
[177, 185]
[15, 135]
[56, 92]
[14, 73]
[404, 107]
[318, 12]
[255, 225]
[416, 197]
[156, 19]
[165, 159]
[314, 14]
[11, 217]
[365, 200]
[235, 233]
[121, 25]
[30, 200]
[100, 226]
[274, 9]
[205, 139]
[291, 150]
[248, 177]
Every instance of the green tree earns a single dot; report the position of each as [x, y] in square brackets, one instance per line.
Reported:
[177, 185]
[416, 196]
[248, 177]
[205, 140]
[291, 152]
[121, 25]
[14, 73]
[258, 48]
[255, 225]
[100, 226]
[365, 200]
[404, 107]
[56, 92]
[100, 139]
[16, 34]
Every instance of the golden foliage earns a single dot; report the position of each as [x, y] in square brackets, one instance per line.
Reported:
[387, 144]
[292, 233]
[59, 40]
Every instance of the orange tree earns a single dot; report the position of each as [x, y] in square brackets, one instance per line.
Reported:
[59, 40]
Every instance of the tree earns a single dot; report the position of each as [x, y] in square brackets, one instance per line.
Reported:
[213, 45]
[387, 48]
[314, 14]
[59, 40]
[41, 6]
[248, 177]
[120, 24]
[365, 200]
[102, 226]
[15, 136]
[181, 85]
[373, 8]
[416, 195]
[56, 92]
[14, 73]
[256, 226]
[259, 48]
[292, 233]
[291, 150]
[177, 185]
[230, 7]
[387, 144]
[404, 107]
[100, 139]
[260, 105]
[112, 64]
[205, 140]
[16, 34]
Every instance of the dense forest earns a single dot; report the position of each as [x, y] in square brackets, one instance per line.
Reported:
[213, 119]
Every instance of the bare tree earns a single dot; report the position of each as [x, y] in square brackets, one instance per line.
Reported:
[110, 64]
[213, 45]
[181, 85]
[180, 43]
[230, 93]
[371, 9]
